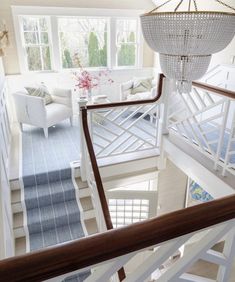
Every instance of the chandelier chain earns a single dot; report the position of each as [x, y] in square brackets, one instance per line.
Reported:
[226, 5]
[195, 5]
[158, 7]
[189, 5]
[177, 7]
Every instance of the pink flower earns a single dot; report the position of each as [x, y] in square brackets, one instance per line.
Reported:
[85, 80]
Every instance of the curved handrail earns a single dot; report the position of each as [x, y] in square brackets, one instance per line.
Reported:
[131, 103]
[91, 152]
[202, 85]
[85, 252]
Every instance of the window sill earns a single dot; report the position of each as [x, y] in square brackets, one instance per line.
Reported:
[115, 69]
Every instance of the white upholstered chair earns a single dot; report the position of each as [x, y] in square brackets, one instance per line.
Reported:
[33, 110]
[125, 91]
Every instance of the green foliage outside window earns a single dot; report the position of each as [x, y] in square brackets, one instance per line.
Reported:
[93, 50]
[97, 56]
[103, 52]
[67, 60]
[126, 54]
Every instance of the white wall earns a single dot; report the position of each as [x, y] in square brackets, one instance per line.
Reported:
[6, 228]
[65, 80]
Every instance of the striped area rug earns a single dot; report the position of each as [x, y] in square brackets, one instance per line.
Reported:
[53, 215]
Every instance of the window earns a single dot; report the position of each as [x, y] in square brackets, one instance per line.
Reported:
[36, 43]
[126, 37]
[127, 211]
[83, 40]
[56, 38]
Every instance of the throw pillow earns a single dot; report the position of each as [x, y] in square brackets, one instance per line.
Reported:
[141, 85]
[40, 91]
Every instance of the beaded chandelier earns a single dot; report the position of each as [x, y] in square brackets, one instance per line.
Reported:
[187, 39]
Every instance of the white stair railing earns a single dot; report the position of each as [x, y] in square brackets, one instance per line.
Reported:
[221, 76]
[149, 247]
[205, 120]
[153, 266]
[229, 163]
[125, 130]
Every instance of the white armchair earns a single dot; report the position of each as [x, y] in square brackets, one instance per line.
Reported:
[33, 110]
[125, 91]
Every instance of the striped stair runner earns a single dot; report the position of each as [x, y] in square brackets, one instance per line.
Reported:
[53, 215]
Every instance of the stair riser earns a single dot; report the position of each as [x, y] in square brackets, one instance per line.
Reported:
[49, 221]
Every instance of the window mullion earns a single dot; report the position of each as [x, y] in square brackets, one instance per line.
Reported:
[40, 44]
[113, 46]
[140, 46]
[55, 43]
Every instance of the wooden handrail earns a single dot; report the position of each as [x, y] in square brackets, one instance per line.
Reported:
[85, 252]
[208, 87]
[95, 169]
[90, 147]
[99, 184]
[215, 89]
[92, 156]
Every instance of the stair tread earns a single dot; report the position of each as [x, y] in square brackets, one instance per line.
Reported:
[15, 184]
[17, 207]
[84, 192]
[81, 184]
[46, 194]
[52, 215]
[61, 234]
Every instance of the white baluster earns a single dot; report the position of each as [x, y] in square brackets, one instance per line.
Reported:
[228, 252]
[104, 272]
[222, 133]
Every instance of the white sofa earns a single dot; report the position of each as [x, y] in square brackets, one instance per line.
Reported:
[33, 110]
[125, 91]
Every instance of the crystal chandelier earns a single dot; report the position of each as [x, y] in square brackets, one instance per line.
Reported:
[187, 39]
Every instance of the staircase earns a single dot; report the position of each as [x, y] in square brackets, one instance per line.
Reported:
[83, 194]
[197, 230]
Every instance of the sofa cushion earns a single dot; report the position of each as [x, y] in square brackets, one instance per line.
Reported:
[40, 91]
[57, 112]
[141, 85]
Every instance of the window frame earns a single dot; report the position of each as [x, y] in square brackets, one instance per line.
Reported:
[53, 13]
[108, 43]
[24, 45]
[138, 44]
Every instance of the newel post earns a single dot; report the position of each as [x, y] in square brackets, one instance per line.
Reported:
[82, 104]
[169, 86]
